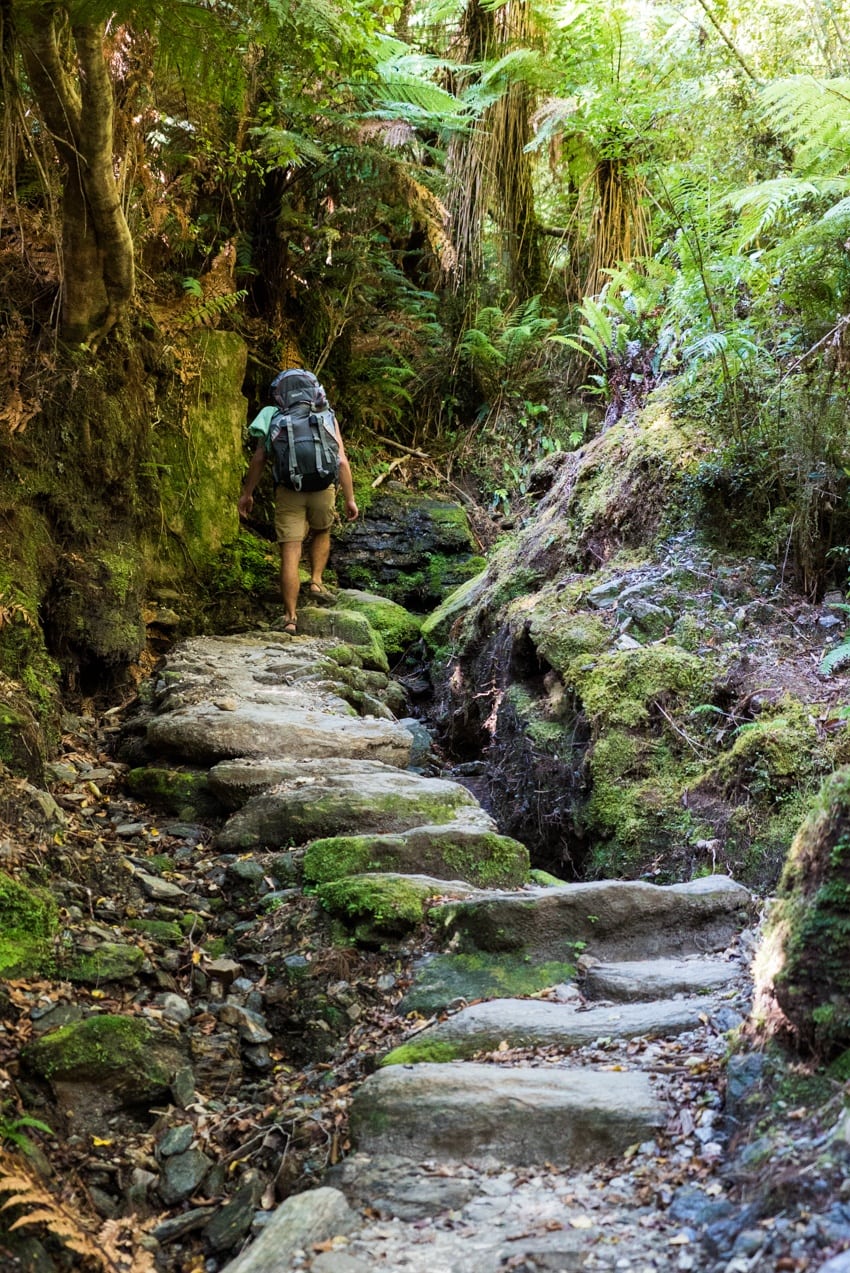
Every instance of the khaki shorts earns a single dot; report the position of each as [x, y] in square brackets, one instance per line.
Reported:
[296, 512]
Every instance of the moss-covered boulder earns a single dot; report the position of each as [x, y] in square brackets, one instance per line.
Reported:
[29, 919]
[359, 644]
[438, 624]
[397, 626]
[182, 792]
[385, 905]
[457, 851]
[108, 961]
[124, 1057]
[806, 952]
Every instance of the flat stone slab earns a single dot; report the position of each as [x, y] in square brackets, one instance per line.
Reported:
[469, 1112]
[528, 1023]
[611, 919]
[295, 726]
[317, 800]
[443, 981]
[657, 978]
[254, 695]
[234, 782]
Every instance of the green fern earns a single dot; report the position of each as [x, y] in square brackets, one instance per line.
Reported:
[216, 306]
[836, 658]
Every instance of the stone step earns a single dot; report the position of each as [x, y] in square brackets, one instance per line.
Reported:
[610, 919]
[644, 979]
[224, 697]
[528, 1023]
[466, 848]
[317, 800]
[469, 1112]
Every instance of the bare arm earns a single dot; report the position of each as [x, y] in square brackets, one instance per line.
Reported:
[346, 483]
[252, 477]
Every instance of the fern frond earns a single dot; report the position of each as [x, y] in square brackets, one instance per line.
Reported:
[771, 202]
[815, 116]
[215, 306]
[287, 149]
[835, 659]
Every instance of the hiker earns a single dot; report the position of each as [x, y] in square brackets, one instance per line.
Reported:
[301, 434]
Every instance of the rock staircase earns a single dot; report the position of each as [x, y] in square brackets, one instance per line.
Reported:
[296, 738]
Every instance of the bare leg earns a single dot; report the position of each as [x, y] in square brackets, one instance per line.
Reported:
[320, 550]
[290, 556]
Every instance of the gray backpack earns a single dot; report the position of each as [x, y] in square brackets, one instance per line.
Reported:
[302, 433]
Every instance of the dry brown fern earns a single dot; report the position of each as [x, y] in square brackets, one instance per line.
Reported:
[113, 1248]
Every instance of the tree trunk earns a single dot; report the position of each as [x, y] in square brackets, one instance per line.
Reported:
[97, 249]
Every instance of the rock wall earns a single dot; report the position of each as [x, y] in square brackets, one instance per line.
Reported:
[645, 701]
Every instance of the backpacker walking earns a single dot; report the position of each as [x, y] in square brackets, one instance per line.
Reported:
[301, 435]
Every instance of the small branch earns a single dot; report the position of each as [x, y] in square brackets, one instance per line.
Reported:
[408, 450]
[382, 477]
[676, 729]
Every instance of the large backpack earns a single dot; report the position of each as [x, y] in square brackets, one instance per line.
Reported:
[302, 433]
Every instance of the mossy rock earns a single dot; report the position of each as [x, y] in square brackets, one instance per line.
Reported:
[358, 642]
[381, 905]
[437, 626]
[166, 932]
[123, 1054]
[424, 1052]
[623, 687]
[29, 919]
[99, 605]
[110, 961]
[480, 856]
[397, 626]
[184, 793]
[445, 979]
[568, 640]
[806, 951]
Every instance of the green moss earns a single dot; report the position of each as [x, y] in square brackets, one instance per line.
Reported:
[166, 932]
[436, 627]
[482, 857]
[544, 880]
[389, 904]
[568, 641]
[246, 564]
[432, 1051]
[809, 926]
[771, 754]
[29, 918]
[335, 857]
[445, 979]
[624, 687]
[397, 626]
[91, 1049]
[110, 961]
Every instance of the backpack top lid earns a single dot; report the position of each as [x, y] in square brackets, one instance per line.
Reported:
[297, 387]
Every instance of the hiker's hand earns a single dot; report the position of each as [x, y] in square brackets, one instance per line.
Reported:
[352, 512]
[246, 503]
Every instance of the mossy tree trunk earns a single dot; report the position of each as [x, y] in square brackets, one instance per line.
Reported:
[67, 70]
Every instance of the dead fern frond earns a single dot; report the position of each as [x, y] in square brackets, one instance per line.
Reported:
[13, 612]
[43, 1210]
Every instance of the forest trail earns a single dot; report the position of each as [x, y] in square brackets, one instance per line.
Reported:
[587, 1106]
